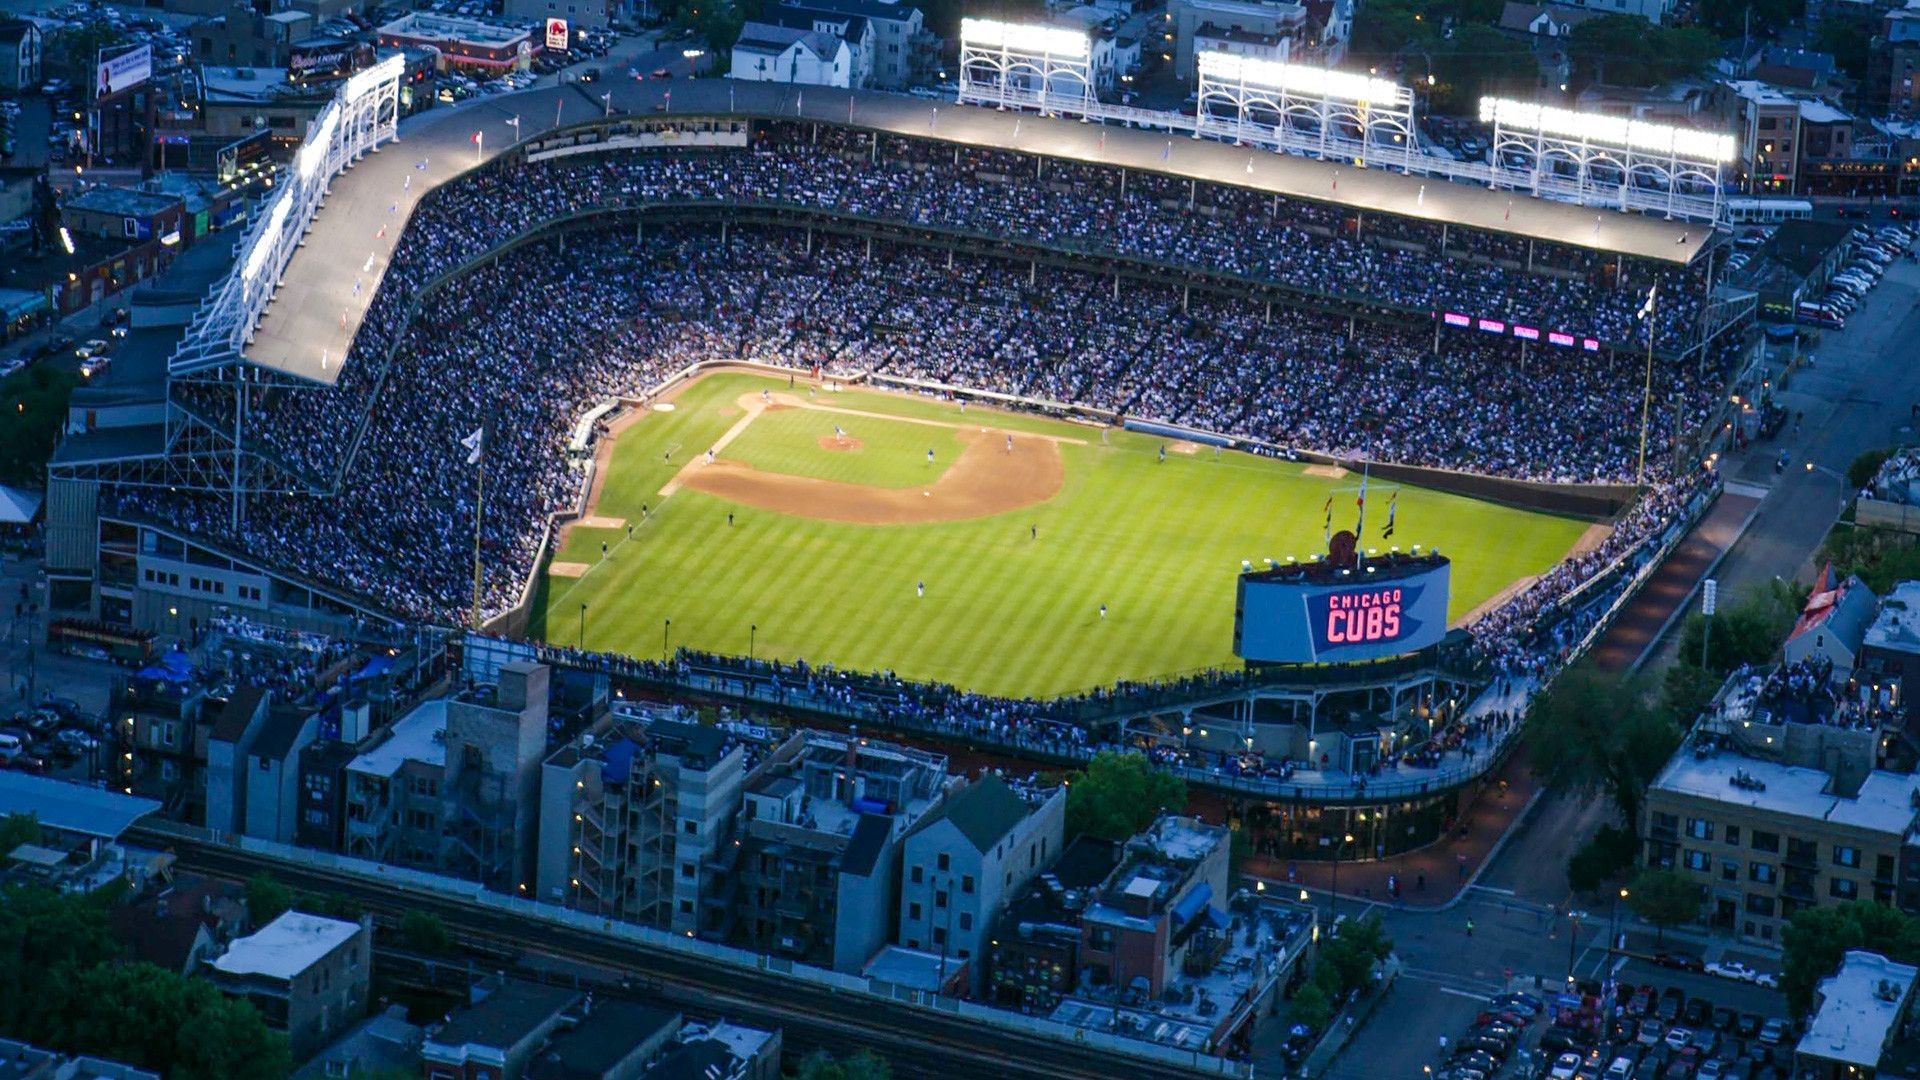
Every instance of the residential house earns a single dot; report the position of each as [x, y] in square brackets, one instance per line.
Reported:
[497, 1035]
[979, 846]
[768, 53]
[615, 1040]
[852, 29]
[21, 49]
[190, 919]
[1859, 1012]
[1833, 623]
[904, 52]
[307, 975]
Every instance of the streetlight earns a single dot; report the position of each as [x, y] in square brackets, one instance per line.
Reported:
[1572, 940]
[1347, 838]
[1613, 921]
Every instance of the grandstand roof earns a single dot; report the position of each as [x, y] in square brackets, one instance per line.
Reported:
[327, 287]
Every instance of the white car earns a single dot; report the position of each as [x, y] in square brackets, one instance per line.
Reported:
[1739, 972]
[1564, 1067]
[90, 349]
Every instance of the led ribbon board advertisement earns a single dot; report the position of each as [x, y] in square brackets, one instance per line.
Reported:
[1291, 620]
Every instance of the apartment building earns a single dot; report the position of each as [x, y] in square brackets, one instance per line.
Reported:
[632, 814]
[307, 975]
[815, 875]
[453, 786]
[1766, 839]
[979, 846]
[1033, 958]
[1139, 924]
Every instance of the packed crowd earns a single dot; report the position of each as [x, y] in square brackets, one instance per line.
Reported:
[1218, 229]
[527, 343]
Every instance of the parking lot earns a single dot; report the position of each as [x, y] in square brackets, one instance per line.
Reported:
[1675, 1019]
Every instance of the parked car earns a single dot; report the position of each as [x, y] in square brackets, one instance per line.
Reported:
[1773, 1032]
[1671, 1001]
[1679, 961]
[1724, 1019]
[1697, 1013]
[1651, 1032]
[1678, 1037]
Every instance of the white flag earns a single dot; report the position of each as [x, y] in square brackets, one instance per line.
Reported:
[1646, 309]
[475, 444]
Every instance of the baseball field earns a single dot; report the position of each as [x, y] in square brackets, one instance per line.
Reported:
[875, 530]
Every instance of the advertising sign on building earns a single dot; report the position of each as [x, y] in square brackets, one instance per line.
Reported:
[124, 72]
[557, 34]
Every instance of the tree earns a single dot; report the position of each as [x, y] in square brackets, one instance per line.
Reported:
[267, 899]
[1862, 470]
[1759, 18]
[1665, 898]
[1310, 1006]
[1850, 43]
[1818, 937]
[1625, 50]
[1346, 960]
[864, 1065]
[1746, 633]
[17, 829]
[1118, 794]
[1594, 733]
[1480, 60]
[35, 404]
[1602, 858]
[425, 932]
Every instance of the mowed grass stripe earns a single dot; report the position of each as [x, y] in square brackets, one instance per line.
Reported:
[1160, 543]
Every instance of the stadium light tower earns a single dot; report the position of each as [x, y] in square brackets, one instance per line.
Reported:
[1299, 108]
[1025, 65]
[1600, 160]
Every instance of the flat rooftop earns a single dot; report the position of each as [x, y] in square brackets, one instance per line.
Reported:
[324, 294]
[71, 808]
[417, 736]
[1884, 805]
[286, 946]
[1859, 1009]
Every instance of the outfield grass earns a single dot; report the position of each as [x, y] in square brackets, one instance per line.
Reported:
[1159, 543]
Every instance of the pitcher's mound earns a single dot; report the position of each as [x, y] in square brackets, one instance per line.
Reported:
[840, 445]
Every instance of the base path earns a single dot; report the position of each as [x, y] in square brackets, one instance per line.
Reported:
[986, 479]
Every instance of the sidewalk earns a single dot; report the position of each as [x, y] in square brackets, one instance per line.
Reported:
[1448, 866]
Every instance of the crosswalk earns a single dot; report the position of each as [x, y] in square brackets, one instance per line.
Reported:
[1455, 984]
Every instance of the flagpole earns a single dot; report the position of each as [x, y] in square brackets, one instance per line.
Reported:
[1360, 530]
[1646, 392]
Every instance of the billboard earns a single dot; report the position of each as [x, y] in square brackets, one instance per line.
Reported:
[124, 72]
[320, 60]
[557, 37]
[1315, 616]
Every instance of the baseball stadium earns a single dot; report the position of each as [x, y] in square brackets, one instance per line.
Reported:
[986, 426]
